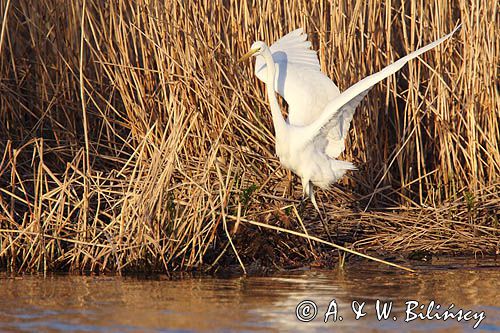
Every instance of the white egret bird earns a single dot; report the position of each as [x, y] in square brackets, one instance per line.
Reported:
[319, 116]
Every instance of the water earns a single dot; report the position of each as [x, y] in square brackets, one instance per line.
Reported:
[130, 304]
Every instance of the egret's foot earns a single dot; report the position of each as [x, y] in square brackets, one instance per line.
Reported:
[325, 226]
[301, 206]
[323, 221]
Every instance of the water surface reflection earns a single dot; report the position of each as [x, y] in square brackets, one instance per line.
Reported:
[129, 304]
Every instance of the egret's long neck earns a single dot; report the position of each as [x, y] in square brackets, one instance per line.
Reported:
[278, 121]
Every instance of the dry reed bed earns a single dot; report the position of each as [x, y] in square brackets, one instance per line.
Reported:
[130, 139]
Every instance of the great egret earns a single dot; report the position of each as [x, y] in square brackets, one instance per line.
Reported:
[319, 116]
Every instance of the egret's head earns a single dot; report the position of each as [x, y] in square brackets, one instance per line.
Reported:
[256, 49]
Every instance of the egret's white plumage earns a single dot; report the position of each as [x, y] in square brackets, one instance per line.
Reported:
[313, 136]
[298, 78]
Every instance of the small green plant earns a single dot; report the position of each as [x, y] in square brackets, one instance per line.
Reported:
[246, 194]
[288, 211]
[469, 198]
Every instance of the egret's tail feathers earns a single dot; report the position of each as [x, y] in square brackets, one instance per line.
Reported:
[339, 168]
[342, 165]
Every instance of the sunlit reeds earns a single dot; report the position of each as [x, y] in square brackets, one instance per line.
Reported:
[130, 138]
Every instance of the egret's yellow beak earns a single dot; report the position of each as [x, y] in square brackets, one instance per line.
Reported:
[248, 55]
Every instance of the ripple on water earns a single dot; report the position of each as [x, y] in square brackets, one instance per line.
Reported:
[125, 304]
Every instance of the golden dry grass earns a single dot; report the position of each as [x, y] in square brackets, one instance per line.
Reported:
[130, 138]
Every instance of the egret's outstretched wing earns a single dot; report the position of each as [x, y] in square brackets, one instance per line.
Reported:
[293, 48]
[334, 121]
[299, 79]
[336, 130]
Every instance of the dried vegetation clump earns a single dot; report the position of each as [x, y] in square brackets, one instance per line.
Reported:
[131, 140]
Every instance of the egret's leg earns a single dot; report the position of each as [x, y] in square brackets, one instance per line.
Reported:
[305, 195]
[305, 188]
[310, 191]
[290, 182]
